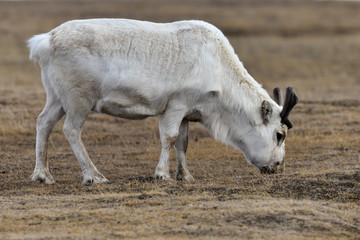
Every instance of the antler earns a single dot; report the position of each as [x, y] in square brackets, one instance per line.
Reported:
[278, 96]
[291, 100]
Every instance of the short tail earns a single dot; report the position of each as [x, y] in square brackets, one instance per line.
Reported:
[40, 49]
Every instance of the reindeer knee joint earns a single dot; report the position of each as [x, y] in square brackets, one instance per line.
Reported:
[42, 122]
[69, 132]
[169, 141]
[40, 119]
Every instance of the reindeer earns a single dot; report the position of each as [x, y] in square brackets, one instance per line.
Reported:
[182, 71]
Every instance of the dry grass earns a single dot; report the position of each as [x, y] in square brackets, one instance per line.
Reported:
[164, 216]
[313, 46]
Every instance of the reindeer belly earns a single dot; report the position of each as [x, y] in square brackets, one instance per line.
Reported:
[129, 104]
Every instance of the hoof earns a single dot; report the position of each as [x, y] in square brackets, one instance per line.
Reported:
[42, 176]
[162, 173]
[162, 176]
[184, 177]
[99, 178]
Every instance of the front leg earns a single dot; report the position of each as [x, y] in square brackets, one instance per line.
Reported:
[162, 169]
[182, 172]
[169, 129]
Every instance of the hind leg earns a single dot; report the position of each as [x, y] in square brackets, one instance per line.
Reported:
[72, 129]
[45, 123]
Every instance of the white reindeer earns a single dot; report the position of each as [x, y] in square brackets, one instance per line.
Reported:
[183, 71]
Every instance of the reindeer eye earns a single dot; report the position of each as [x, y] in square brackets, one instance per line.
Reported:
[279, 136]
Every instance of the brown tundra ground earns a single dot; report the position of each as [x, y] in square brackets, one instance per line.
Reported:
[311, 45]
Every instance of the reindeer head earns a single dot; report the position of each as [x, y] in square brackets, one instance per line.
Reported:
[265, 144]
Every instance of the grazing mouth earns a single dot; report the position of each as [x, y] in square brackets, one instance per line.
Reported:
[266, 170]
[270, 170]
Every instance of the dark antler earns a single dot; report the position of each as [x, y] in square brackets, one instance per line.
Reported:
[291, 100]
[278, 96]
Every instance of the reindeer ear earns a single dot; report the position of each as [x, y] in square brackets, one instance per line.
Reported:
[266, 111]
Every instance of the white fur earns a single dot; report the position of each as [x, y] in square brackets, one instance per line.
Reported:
[183, 71]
